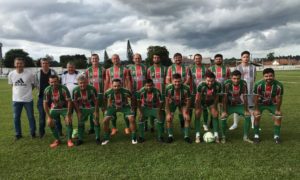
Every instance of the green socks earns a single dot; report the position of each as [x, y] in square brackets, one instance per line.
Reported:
[247, 124]
[224, 127]
[197, 124]
[205, 116]
[159, 129]
[142, 129]
[55, 133]
[69, 131]
[97, 131]
[170, 132]
[215, 124]
[277, 130]
[186, 132]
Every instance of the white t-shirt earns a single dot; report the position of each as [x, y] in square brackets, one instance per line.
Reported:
[69, 80]
[22, 85]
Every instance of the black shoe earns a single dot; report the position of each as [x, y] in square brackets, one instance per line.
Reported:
[18, 137]
[152, 129]
[256, 140]
[141, 140]
[161, 140]
[98, 141]
[78, 142]
[42, 135]
[91, 131]
[33, 136]
[170, 140]
[277, 140]
[188, 140]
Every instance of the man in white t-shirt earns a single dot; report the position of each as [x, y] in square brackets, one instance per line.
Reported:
[69, 77]
[22, 82]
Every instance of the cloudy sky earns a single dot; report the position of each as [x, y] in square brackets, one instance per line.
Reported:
[58, 27]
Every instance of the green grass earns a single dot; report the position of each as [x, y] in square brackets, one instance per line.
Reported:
[33, 159]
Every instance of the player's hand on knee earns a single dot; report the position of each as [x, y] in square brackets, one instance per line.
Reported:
[278, 113]
[247, 113]
[224, 115]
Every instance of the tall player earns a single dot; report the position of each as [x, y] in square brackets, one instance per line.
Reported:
[249, 75]
[96, 77]
[268, 96]
[185, 74]
[234, 88]
[198, 71]
[208, 97]
[178, 96]
[157, 73]
[120, 72]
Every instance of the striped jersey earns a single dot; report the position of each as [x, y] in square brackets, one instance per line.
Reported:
[85, 98]
[268, 92]
[178, 97]
[207, 94]
[198, 74]
[96, 77]
[138, 73]
[234, 92]
[117, 100]
[222, 73]
[58, 97]
[158, 75]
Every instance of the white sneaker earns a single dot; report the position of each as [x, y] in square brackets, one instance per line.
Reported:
[197, 139]
[105, 142]
[234, 126]
[205, 127]
[134, 141]
[246, 139]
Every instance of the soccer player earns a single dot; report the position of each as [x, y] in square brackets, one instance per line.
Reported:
[222, 72]
[96, 77]
[41, 82]
[186, 77]
[157, 73]
[61, 105]
[122, 73]
[86, 103]
[117, 100]
[22, 82]
[138, 72]
[149, 105]
[178, 96]
[249, 75]
[198, 71]
[268, 96]
[233, 89]
[208, 97]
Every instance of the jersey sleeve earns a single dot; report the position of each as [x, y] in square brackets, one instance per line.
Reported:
[47, 94]
[279, 91]
[255, 89]
[188, 92]
[10, 79]
[245, 89]
[169, 73]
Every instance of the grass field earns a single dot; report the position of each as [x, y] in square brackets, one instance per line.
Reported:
[33, 159]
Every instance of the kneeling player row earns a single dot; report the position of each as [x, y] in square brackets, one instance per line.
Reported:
[149, 102]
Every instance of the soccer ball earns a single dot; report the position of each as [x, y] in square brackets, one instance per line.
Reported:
[75, 134]
[208, 137]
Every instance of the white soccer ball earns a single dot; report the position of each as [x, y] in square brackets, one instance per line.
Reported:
[208, 137]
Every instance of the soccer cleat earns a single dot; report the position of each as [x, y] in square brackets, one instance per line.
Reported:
[217, 139]
[233, 127]
[170, 139]
[70, 143]
[104, 142]
[134, 141]
[127, 131]
[141, 140]
[256, 140]
[114, 131]
[246, 139]
[205, 127]
[78, 142]
[91, 131]
[152, 129]
[160, 139]
[223, 140]
[197, 140]
[98, 141]
[55, 144]
[277, 140]
[188, 140]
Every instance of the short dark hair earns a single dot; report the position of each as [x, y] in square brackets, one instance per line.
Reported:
[53, 76]
[19, 59]
[94, 54]
[177, 54]
[116, 80]
[149, 81]
[245, 52]
[236, 73]
[176, 76]
[210, 74]
[268, 70]
[44, 59]
[197, 55]
[219, 55]
[155, 54]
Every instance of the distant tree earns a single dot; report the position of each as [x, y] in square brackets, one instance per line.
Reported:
[107, 61]
[80, 61]
[162, 51]
[270, 56]
[13, 53]
[129, 53]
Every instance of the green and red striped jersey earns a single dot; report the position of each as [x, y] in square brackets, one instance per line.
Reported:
[85, 98]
